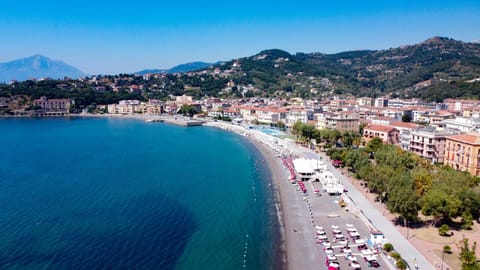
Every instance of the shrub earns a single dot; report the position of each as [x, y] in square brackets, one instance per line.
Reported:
[388, 247]
[396, 256]
[447, 249]
[467, 220]
[401, 264]
[443, 230]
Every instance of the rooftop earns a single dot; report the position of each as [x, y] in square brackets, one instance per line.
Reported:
[466, 138]
[403, 124]
[380, 128]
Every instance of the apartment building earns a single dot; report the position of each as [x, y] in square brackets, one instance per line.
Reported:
[429, 143]
[295, 115]
[51, 107]
[389, 135]
[465, 124]
[343, 122]
[463, 153]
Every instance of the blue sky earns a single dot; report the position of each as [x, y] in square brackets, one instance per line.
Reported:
[109, 37]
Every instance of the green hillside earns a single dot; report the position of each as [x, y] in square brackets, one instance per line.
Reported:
[442, 67]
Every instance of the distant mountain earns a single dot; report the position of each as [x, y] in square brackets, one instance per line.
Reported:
[188, 67]
[36, 66]
[151, 71]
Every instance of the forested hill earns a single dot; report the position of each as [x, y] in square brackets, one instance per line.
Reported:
[434, 69]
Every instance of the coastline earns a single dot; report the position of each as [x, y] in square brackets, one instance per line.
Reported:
[296, 249]
[276, 173]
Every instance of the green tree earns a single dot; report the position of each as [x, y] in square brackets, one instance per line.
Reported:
[402, 198]
[401, 264]
[378, 180]
[443, 230]
[347, 139]
[297, 128]
[361, 127]
[440, 205]
[388, 247]
[356, 159]
[307, 131]
[467, 220]
[187, 109]
[468, 257]
[422, 179]
[406, 118]
[373, 145]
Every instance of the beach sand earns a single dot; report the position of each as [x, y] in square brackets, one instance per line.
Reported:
[297, 249]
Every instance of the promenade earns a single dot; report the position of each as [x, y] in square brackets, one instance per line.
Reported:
[378, 221]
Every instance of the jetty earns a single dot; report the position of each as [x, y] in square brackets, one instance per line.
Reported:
[186, 122]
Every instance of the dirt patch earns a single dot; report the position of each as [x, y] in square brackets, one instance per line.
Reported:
[452, 259]
[431, 235]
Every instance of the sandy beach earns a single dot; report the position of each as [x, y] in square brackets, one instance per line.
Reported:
[299, 249]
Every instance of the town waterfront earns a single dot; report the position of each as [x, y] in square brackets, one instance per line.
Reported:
[86, 193]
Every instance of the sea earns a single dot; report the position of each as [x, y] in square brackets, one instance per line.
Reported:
[109, 193]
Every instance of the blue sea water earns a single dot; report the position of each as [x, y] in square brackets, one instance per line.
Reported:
[124, 194]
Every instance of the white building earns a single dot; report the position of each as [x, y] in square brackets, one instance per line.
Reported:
[381, 102]
[464, 124]
[295, 115]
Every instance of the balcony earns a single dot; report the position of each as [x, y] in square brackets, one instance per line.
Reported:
[419, 147]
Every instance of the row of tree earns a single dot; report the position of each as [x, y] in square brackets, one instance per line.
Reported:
[408, 184]
[330, 137]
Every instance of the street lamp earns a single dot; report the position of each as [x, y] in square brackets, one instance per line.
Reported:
[407, 230]
[443, 256]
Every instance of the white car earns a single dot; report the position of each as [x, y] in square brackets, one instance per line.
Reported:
[334, 264]
[351, 230]
[339, 236]
[355, 265]
[331, 257]
[343, 242]
[322, 237]
[326, 244]
[329, 250]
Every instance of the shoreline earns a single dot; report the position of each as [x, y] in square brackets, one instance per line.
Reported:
[278, 244]
[275, 168]
[296, 248]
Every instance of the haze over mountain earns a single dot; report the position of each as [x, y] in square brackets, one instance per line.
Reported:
[35, 67]
[187, 67]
